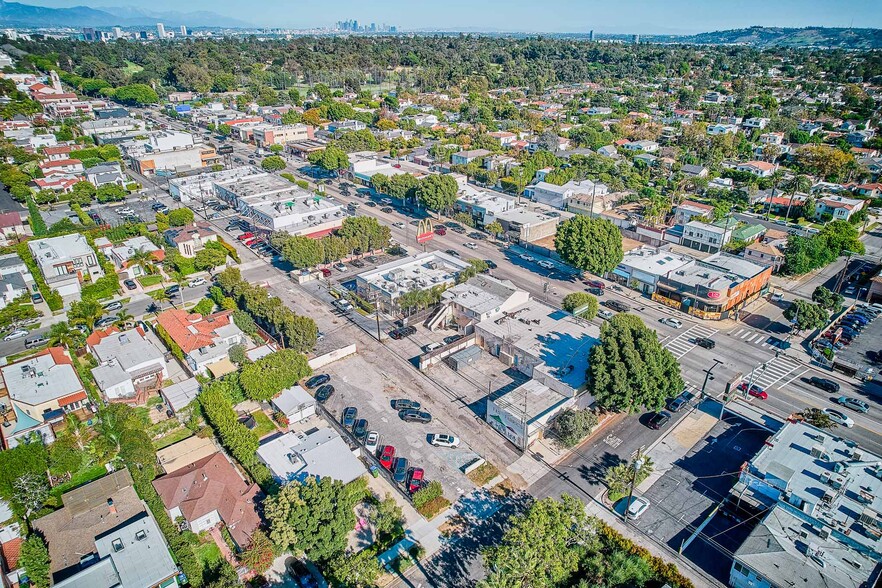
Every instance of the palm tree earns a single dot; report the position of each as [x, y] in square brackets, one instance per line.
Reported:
[86, 312]
[160, 296]
[181, 281]
[123, 318]
[143, 259]
[798, 183]
[62, 334]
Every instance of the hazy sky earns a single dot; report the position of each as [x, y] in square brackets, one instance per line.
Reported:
[614, 16]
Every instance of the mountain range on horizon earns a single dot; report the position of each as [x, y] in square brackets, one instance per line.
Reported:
[16, 14]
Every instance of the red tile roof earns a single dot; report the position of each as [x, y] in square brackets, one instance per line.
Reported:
[75, 397]
[57, 150]
[58, 354]
[193, 331]
[10, 219]
[60, 162]
[11, 551]
[210, 484]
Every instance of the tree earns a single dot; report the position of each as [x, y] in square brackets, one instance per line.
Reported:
[85, 312]
[543, 547]
[34, 558]
[578, 299]
[630, 369]
[276, 148]
[797, 183]
[303, 252]
[62, 334]
[38, 225]
[841, 236]
[573, 425]
[180, 217]
[437, 192]
[331, 158]
[619, 478]
[204, 307]
[831, 301]
[110, 193]
[817, 418]
[494, 228]
[590, 244]
[464, 218]
[208, 258]
[268, 376]
[30, 490]
[823, 160]
[273, 163]
[361, 570]
[160, 296]
[388, 519]
[806, 315]
[314, 517]
[136, 95]
[25, 459]
[258, 556]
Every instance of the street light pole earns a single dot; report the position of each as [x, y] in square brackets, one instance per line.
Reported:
[708, 376]
[636, 465]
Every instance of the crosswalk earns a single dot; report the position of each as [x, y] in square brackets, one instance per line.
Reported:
[776, 369]
[685, 341]
[752, 337]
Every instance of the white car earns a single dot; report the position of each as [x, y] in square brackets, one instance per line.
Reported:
[546, 264]
[672, 322]
[340, 267]
[471, 245]
[443, 440]
[196, 282]
[526, 257]
[113, 306]
[637, 506]
[398, 225]
[839, 418]
[605, 314]
[16, 334]
[372, 442]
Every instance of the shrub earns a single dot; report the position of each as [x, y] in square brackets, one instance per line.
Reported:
[425, 495]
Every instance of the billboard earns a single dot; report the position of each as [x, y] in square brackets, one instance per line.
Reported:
[425, 231]
[225, 150]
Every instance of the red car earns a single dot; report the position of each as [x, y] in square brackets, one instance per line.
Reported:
[440, 231]
[245, 236]
[326, 272]
[387, 457]
[595, 284]
[754, 391]
[416, 480]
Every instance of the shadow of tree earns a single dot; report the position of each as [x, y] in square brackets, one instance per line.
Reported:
[594, 473]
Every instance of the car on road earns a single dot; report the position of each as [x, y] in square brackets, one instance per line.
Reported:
[415, 480]
[360, 430]
[196, 282]
[318, 380]
[371, 203]
[595, 291]
[387, 209]
[130, 284]
[595, 284]
[113, 306]
[849, 291]
[705, 342]
[675, 404]
[372, 442]
[350, 414]
[172, 290]
[399, 470]
[301, 575]
[402, 332]
[853, 403]
[616, 305]
[637, 506]
[754, 391]
[659, 420]
[526, 257]
[387, 457]
[490, 264]
[405, 404]
[605, 314]
[452, 252]
[545, 264]
[105, 322]
[444, 440]
[16, 334]
[441, 231]
[343, 305]
[412, 415]
[824, 384]
[839, 418]
[672, 322]
[340, 267]
[324, 392]
[458, 229]
[470, 245]
[399, 225]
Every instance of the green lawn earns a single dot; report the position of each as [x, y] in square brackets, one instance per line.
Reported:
[265, 425]
[147, 281]
[172, 438]
[132, 68]
[83, 476]
[208, 553]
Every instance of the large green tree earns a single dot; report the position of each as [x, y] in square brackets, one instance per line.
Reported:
[828, 299]
[576, 300]
[273, 163]
[806, 315]
[34, 559]
[590, 244]
[331, 158]
[437, 192]
[269, 375]
[180, 217]
[630, 369]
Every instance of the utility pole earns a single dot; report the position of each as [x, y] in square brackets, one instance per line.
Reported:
[844, 270]
[636, 465]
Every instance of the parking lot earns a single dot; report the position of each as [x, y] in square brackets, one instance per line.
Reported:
[371, 391]
[118, 213]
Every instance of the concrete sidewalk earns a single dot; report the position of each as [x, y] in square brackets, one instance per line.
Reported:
[676, 443]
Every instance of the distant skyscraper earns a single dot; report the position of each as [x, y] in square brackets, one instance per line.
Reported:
[373, 27]
[183, 30]
[636, 38]
[90, 34]
[393, 29]
[117, 33]
[142, 34]
[354, 27]
[591, 36]
[160, 30]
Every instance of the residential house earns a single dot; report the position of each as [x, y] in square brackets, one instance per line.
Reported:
[41, 390]
[12, 228]
[645, 146]
[721, 183]
[466, 157]
[838, 207]
[689, 209]
[755, 123]
[760, 169]
[597, 110]
[873, 190]
[209, 492]
[764, 254]
[608, 150]
[722, 129]
[15, 279]
[706, 237]
[809, 127]
[60, 183]
[773, 138]
[122, 253]
[190, 239]
[65, 263]
[130, 366]
[319, 453]
[858, 138]
[106, 173]
[504, 138]
[204, 340]
[295, 403]
[557, 196]
[104, 536]
[694, 171]
[61, 166]
[346, 125]
[57, 152]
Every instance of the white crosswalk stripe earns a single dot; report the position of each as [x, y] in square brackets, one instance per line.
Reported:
[684, 342]
[752, 337]
[776, 369]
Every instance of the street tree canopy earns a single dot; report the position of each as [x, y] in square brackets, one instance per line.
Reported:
[579, 299]
[590, 244]
[273, 163]
[828, 299]
[269, 375]
[437, 192]
[630, 369]
[807, 315]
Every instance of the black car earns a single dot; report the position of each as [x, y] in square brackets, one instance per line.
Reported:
[476, 236]
[490, 264]
[356, 263]
[399, 470]
[301, 574]
[318, 380]
[130, 284]
[659, 420]
[452, 252]
[360, 430]
[402, 332]
[324, 392]
[350, 414]
[824, 384]
[172, 290]
[387, 209]
[452, 339]
[616, 305]
[675, 404]
[370, 203]
[412, 415]
[460, 230]
[705, 342]
[596, 291]
[405, 404]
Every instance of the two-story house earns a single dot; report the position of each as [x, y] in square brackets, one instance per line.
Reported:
[65, 263]
[705, 237]
[130, 365]
[190, 239]
[466, 157]
[839, 207]
[761, 169]
[204, 340]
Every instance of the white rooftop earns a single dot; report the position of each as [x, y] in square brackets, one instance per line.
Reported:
[417, 272]
[53, 250]
[321, 453]
[39, 379]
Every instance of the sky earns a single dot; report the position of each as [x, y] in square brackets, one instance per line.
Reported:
[602, 16]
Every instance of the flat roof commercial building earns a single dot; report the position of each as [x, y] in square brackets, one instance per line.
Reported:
[201, 187]
[523, 414]
[321, 453]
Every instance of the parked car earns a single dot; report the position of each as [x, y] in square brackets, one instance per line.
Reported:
[595, 284]
[318, 380]
[350, 414]
[605, 314]
[412, 415]
[36, 341]
[452, 339]
[300, 573]
[405, 404]
[705, 342]
[357, 263]
[245, 236]
[672, 322]
[839, 418]
[387, 457]
[824, 384]
[16, 334]
[402, 332]
[444, 440]
[324, 392]
[325, 272]
[431, 347]
[659, 420]
[675, 404]
[360, 430]
[490, 264]
[113, 306]
[399, 470]
[853, 403]
[637, 506]
[616, 305]
[387, 209]
[130, 284]
[372, 442]
[340, 267]
[415, 480]
[172, 290]
[105, 322]
[343, 305]
[196, 282]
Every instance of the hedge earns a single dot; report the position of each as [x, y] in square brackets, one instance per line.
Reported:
[664, 571]
[231, 251]
[427, 494]
[172, 346]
